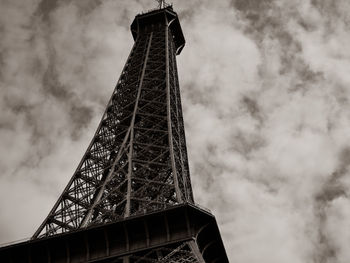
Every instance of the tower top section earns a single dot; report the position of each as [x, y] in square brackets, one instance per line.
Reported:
[149, 21]
[162, 4]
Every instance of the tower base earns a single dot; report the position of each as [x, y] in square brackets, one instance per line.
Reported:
[182, 233]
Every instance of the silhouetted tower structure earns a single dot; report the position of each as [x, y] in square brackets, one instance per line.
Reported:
[130, 199]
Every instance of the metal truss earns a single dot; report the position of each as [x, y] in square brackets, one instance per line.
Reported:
[137, 160]
[186, 252]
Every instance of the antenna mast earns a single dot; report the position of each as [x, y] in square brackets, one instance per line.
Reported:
[162, 4]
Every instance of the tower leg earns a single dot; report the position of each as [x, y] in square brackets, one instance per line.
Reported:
[195, 250]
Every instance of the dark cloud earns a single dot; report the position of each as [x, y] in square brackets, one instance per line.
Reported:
[45, 7]
[51, 83]
[252, 5]
[253, 108]
[332, 189]
[81, 116]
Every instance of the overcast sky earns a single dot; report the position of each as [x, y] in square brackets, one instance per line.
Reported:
[265, 87]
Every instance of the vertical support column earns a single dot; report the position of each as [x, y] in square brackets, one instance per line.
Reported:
[170, 133]
[178, 109]
[195, 251]
[126, 259]
[130, 167]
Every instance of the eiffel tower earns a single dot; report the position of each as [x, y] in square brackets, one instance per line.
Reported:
[130, 199]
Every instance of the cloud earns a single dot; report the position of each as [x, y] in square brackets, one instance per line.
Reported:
[266, 106]
[268, 141]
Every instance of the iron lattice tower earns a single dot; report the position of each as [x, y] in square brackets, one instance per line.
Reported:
[137, 160]
[133, 184]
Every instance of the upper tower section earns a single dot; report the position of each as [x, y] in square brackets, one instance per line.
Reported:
[137, 160]
[147, 22]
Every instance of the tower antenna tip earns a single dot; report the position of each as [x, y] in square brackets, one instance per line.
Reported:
[162, 4]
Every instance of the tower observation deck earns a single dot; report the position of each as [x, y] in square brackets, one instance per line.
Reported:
[130, 198]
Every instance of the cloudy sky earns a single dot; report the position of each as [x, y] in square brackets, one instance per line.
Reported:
[265, 88]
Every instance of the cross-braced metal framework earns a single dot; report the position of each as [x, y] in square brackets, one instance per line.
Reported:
[137, 160]
[185, 252]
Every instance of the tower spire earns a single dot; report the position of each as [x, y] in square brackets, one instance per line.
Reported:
[162, 4]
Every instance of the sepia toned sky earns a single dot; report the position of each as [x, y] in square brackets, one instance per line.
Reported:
[266, 97]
